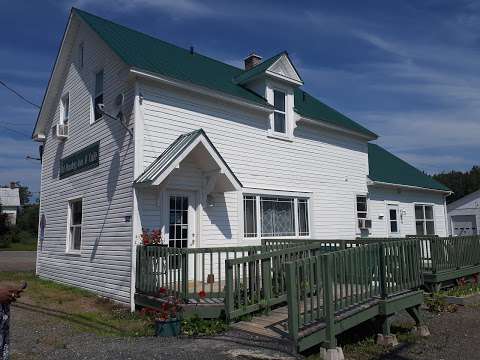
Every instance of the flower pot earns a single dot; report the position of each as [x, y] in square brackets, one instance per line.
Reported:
[165, 328]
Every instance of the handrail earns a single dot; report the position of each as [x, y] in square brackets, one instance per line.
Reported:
[323, 286]
[258, 281]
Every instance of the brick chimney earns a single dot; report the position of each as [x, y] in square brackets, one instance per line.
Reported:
[13, 185]
[252, 60]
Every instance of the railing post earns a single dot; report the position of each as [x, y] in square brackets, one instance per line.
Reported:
[292, 290]
[267, 282]
[328, 303]
[433, 254]
[383, 271]
[229, 299]
[138, 283]
[185, 274]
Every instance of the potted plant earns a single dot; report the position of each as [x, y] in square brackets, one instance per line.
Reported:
[168, 318]
[153, 237]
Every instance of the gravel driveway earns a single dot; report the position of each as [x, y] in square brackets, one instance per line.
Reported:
[17, 260]
[41, 335]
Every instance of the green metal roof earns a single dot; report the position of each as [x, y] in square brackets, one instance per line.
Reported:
[172, 152]
[386, 167]
[257, 70]
[147, 53]
[308, 106]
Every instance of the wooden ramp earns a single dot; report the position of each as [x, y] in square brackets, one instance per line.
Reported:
[274, 325]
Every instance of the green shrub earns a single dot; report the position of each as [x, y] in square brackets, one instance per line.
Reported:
[195, 326]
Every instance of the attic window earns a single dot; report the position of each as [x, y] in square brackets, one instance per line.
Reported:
[98, 100]
[65, 109]
[279, 121]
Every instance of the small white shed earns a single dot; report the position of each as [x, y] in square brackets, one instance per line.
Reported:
[9, 203]
[464, 215]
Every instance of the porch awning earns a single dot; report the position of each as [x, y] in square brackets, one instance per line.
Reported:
[197, 145]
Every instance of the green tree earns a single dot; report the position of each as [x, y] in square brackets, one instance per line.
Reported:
[461, 183]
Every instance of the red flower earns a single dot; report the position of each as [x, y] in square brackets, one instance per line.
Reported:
[202, 294]
[162, 290]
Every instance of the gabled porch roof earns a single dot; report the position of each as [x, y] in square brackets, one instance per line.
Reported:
[195, 144]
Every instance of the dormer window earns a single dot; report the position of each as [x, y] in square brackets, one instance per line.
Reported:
[279, 121]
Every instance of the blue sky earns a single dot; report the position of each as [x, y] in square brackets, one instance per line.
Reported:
[406, 70]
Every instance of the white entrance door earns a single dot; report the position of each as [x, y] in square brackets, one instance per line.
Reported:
[181, 219]
[393, 220]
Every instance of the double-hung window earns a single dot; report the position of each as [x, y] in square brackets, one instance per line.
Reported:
[279, 114]
[74, 236]
[275, 216]
[98, 96]
[250, 216]
[424, 221]
[362, 207]
[65, 109]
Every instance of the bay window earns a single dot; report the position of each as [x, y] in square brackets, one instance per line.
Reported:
[424, 221]
[275, 216]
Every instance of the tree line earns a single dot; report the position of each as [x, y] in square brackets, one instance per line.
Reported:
[461, 183]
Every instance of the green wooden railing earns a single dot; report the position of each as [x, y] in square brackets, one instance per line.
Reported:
[189, 272]
[324, 286]
[454, 252]
[258, 281]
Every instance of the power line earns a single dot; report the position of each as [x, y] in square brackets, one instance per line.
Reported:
[14, 131]
[18, 94]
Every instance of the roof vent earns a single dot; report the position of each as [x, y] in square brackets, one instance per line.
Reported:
[252, 60]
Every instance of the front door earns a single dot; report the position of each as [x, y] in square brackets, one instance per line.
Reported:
[393, 221]
[181, 219]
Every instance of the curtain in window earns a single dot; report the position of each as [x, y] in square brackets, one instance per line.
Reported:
[277, 217]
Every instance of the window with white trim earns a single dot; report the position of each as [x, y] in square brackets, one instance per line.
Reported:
[424, 220]
[74, 236]
[65, 109]
[275, 216]
[279, 113]
[250, 216]
[98, 96]
[362, 207]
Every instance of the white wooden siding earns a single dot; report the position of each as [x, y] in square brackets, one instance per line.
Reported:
[330, 165]
[380, 197]
[105, 262]
[219, 223]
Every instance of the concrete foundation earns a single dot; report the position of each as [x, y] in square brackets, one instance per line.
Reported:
[421, 331]
[387, 340]
[332, 354]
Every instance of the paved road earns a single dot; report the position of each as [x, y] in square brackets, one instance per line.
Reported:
[17, 260]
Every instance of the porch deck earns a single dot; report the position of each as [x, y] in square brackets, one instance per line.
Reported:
[309, 291]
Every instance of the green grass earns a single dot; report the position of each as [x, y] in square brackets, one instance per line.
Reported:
[20, 247]
[464, 290]
[83, 310]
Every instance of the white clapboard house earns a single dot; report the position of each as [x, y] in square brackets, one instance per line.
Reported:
[139, 133]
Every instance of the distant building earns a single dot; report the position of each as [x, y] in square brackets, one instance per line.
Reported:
[10, 202]
[464, 215]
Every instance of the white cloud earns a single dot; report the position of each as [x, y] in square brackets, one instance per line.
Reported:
[181, 8]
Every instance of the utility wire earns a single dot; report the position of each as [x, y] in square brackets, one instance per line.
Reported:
[14, 131]
[18, 94]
